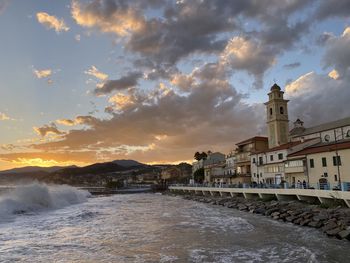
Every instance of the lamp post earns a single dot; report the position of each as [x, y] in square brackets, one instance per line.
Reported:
[337, 157]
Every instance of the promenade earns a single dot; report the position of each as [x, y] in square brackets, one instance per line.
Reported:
[312, 195]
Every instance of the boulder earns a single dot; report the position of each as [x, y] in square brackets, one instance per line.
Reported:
[271, 210]
[242, 207]
[291, 218]
[260, 210]
[329, 226]
[298, 221]
[315, 223]
[275, 214]
[334, 231]
[305, 222]
[344, 234]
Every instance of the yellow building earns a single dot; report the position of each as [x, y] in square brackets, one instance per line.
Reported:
[277, 117]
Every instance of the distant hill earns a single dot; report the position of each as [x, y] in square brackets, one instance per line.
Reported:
[33, 169]
[128, 163]
[97, 174]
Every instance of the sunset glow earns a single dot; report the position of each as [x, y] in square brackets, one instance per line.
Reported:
[86, 81]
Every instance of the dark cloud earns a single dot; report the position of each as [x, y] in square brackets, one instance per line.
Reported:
[292, 65]
[318, 98]
[249, 55]
[125, 82]
[48, 129]
[333, 8]
[337, 53]
[165, 124]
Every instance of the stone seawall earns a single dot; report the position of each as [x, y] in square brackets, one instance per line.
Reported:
[334, 222]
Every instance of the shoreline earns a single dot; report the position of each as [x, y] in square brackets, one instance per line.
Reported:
[334, 222]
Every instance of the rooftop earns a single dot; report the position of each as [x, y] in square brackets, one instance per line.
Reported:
[283, 146]
[323, 147]
[255, 138]
[322, 127]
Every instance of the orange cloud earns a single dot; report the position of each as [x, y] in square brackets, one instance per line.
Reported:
[117, 20]
[51, 22]
[45, 73]
[93, 71]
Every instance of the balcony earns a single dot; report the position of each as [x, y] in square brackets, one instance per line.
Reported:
[295, 169]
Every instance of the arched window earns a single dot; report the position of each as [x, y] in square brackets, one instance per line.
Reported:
[270, 111]
[281, 110]
[348, 133]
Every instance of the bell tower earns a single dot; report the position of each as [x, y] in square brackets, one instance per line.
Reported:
[277, 117]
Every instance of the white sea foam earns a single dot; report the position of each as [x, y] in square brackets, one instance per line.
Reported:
[38, 197]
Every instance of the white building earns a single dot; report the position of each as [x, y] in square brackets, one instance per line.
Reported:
[272, 166]
[327, 165]
[230, 167]
[327, 132]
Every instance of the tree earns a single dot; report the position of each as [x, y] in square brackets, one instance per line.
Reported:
[199, 175]
[200, 156]
[197, 156]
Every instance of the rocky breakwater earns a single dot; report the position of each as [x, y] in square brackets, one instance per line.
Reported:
[334, 222]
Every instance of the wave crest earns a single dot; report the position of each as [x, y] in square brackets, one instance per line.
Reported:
[38, 197]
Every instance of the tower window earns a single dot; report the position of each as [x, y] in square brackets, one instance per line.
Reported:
[270, 111]
[281, 110]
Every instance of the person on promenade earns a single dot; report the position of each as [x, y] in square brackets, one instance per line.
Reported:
[299, 184]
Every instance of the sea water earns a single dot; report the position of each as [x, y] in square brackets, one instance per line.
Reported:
[40, 223]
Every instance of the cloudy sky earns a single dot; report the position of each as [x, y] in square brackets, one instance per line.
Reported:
[87, 81]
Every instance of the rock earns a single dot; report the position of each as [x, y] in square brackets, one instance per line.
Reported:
[344, 234]
[320, 217]
[295, 213]
[260, 210]
[315, 224]
[290, 218]
[275, 214]
[305, 222]
[284, 215]
[298, 221]
[329, 226]
[242, 207]
[333, 232]
[308, 216]
[271, 210]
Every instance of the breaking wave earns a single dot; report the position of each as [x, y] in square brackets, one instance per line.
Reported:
[38, 197]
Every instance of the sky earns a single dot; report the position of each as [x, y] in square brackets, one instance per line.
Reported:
[85, 81]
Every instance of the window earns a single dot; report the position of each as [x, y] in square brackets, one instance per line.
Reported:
[280, 156]
[270, 111]
[260, 160]
[324, 161]
[335, 177]
[281, 110]
[254, 174]
[253, 160]
[312, 164]
[325, 174]
[335, 162]
[271, 157]
[327, 138]
[348, 133]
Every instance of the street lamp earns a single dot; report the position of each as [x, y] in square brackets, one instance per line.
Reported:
[337, 157]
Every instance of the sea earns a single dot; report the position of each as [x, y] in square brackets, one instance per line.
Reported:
[42, 223]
